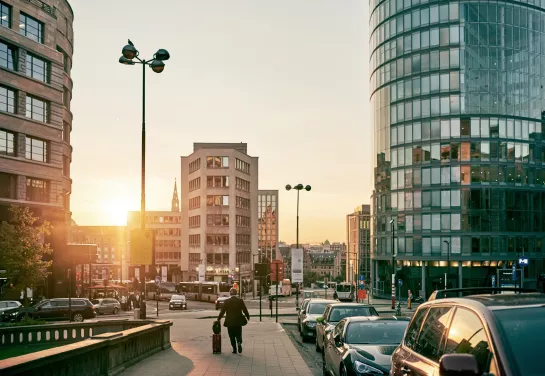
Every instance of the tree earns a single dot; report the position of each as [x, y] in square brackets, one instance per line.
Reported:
[22, 249]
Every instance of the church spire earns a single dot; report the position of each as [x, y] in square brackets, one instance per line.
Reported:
[175, 201]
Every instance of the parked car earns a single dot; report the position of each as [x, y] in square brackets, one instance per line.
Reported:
[9, 304]
[220, 301]
[335, 313]
[497, 334]
[106, 305]
[53, 309]
[362, 345]
[304, 305]
[177, 302]
[314, 309]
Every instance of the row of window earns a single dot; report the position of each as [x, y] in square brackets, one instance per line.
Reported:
[195, 165]
[194, 184]
[217, 219]
[35, 149]
[242, 166]
[195, 239]
[217, 181]
[243, 221]
[426, 84]
[194, 258]
[421, 108]
[28, 26]
[242, 184]
[242, 202]
[160, 219]
[217, 162]
[195, 221]
[465, 127]
[217, 239]
[217, 200]
[168, 243]
[168, 231]
[217, 258]
[36, 189]
[243, 239]
[36, 108]
[36, 67]
[195, 202]
[168, 255]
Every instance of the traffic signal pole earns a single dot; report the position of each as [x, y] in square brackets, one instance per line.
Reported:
[276, 267]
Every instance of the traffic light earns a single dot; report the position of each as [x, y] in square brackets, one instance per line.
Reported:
[261, 269]
[268, 280]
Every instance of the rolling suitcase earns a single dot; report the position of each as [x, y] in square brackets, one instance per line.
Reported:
[216, 343]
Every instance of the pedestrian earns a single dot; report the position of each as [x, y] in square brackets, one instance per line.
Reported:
[123, 302]
[234, 310]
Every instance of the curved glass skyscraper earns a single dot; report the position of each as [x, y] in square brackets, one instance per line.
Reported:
[457, 92]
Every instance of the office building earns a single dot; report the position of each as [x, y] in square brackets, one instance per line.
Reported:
[36, 46]
[457, 100]
[219, 199]
[358, 233]
[267, 214]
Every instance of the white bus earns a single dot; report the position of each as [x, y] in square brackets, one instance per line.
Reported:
[203, 291]
[344, 291]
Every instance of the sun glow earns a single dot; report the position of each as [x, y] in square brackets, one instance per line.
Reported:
[116, 212]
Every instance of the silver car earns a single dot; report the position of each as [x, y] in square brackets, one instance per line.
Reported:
[9, 304]
[106, 305]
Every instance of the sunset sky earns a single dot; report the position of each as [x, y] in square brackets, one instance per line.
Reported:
[288, 77]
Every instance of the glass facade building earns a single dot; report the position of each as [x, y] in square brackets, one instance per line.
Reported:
[267, 225]
[457, 94]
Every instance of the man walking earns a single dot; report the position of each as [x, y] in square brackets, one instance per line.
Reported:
[234, 310]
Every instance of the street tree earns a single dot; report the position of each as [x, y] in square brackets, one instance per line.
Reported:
[23, 249]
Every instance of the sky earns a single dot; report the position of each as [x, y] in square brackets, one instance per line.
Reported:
[287, 77]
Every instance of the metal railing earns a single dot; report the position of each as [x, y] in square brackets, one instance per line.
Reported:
[52, 11]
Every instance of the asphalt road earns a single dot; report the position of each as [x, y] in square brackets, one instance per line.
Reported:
[307, 350]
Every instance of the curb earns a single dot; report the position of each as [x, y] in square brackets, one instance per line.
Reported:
[269, 316]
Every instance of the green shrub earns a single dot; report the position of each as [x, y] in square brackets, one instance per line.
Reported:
[26, 322]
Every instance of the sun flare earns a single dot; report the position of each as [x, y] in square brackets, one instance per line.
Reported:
[116, 211]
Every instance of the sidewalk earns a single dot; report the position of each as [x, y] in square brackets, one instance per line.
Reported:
[267, 350]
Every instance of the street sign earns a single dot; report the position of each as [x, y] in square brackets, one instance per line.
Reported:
[400, 282]
[296, 265]
[141, 247]
[361, 277]
[157, 280]
[523, 261]
[493, 281]
[514, 273]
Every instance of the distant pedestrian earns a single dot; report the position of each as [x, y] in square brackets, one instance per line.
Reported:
[234, 310]
[123, 302]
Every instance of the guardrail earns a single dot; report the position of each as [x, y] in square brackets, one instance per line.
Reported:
[101, 354]
[58, 332]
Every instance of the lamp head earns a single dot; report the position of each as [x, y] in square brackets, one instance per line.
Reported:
[157, 66]
[299, 186]
[125, 61]
[392, 221]
[162, 54]
[129, 52]
[308, 188]
[288, 187]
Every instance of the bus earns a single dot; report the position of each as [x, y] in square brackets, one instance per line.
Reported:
[284, 288]
[166, 290]
[345, 291]
[203, 291]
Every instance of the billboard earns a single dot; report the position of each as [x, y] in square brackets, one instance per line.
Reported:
[201, 273]
[141, 247]
[297, 265]
[164, 272]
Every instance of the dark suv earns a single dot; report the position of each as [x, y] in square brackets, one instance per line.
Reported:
[498, 334]
[53, 309]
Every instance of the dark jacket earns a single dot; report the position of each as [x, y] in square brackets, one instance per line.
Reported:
[234, 310]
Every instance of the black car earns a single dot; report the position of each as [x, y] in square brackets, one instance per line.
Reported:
[314, 309]
[53, 309]
[362, 345]
[220, 301]
[497, 333]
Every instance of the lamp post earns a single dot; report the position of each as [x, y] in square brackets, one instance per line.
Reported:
[237, 269]
[298, 187]
[393, 265]
[129, 53]
[448, 261]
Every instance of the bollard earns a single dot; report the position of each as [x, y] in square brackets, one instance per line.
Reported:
[137, 313]
[398, 309]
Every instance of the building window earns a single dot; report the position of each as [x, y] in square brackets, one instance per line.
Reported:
[37, 190]
[31, 28]
[195, 239]
[7, 143]
[8, 185]
[37, 68]
[7, 100]
[5, 15]
[66, 96]
[7, 56]
[242, 166]
[243, 239]
[212, 200]
[217, 162]
[36, 149]
[66, 59]
[194, 184]
[194, 258]
[195, 166]
[243, 203]
[243, 221]
[217, 181]
[195, 221]
[217, 219]
[195, 202]
[65, 132]
[243, 185]
[217, 239]
[37, 109]
[65, 165]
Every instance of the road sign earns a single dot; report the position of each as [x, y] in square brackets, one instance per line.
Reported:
[141, 247]
[277, 264]
[400, 282]
[157, 280]
[514, 273]
[493, 281]
[523, 261]
[361, 277]
[362, 283]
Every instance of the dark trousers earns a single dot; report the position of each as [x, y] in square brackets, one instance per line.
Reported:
[235, 335]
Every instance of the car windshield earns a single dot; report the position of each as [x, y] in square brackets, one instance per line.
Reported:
[522, 331]
[376, 333]
[339, 313]
[177, 297]
[317, 308]
[344, 288]
[95, 301]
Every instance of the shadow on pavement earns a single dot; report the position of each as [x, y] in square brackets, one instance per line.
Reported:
[167, 362]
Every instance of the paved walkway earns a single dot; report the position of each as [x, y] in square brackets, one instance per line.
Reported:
[267, 350]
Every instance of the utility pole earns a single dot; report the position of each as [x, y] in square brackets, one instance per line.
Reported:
[393, 266]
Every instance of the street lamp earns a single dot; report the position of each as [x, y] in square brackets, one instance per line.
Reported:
[448, 261]
[237, 269]
[393, 265]
[298, 187]
[129, 52]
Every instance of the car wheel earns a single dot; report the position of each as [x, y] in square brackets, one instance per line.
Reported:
[115, 310]
[77, 317]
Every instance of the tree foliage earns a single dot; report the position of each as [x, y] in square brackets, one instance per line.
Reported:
[22, 248]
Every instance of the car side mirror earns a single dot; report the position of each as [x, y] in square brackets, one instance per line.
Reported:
[320, 320]
[458, 365]
[304, 311]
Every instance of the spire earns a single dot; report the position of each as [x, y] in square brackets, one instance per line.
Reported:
[175, 201]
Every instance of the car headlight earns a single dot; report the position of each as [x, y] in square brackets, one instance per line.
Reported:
[310, 324]
[365, 368]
